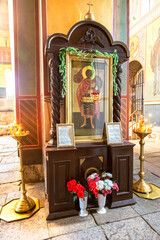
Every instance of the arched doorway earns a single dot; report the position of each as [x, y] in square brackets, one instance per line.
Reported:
[136, 90]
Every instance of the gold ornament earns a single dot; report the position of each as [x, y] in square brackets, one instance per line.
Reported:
[84, 70]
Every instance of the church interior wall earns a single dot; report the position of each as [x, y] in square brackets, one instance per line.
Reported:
[141, 48]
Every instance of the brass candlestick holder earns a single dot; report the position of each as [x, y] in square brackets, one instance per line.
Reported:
[25, 207]
[25, 203]
[141, 186]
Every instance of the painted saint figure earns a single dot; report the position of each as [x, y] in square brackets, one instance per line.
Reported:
[155, 64]
[89, 84]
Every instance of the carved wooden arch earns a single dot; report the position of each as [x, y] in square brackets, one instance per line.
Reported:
[85, 35]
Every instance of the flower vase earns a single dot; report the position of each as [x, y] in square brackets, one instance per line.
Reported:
[101, 204]
[83, 206]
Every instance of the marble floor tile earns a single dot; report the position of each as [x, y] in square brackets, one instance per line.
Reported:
[8, 177]
[8, 150]
[10, 159]
[9, 167]
[34, 228]
[3, 199]
[136, 164]
[9, 187]
[37, 193]
[13, 195]
[32, 192]
[94, 233]
[7, 140]
[70, 224]
[152, 159]
[130, 229]
[116, 214]
[149, 177]
[154, 220]
[152, 168]
[145, 206]
[157, 164]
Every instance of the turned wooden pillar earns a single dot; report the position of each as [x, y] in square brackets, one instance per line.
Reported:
[117, 99]
[55, 98]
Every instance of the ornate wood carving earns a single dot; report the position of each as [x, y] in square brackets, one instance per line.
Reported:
[83, 35]
[91, 37]
[117, 99]
[55, 98]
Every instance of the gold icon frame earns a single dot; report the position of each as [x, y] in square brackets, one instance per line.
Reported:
[103, 69]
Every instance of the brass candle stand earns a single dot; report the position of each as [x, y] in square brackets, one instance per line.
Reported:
[25, 203]
[141, 186]
[26, 206]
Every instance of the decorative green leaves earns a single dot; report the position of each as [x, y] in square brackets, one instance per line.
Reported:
[83, 54]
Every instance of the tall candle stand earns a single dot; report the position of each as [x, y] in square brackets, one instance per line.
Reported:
[25, 206]
[25, 203]
[141, 186]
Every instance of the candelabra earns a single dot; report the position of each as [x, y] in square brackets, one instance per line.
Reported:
[25, 206]
[142, 186]
[25, 203]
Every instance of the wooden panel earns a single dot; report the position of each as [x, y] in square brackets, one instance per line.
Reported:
[123, 174]
[61, 172]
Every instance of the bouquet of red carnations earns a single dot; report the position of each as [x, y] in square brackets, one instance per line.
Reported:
[76, 189]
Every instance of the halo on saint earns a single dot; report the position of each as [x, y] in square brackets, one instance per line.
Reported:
[85, 69]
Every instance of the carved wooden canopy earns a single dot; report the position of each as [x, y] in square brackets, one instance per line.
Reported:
[85, 35]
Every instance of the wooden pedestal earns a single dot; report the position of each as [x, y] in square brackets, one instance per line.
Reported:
[66, 164]
[120, 163]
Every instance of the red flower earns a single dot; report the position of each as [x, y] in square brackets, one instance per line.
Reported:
[79, 187]
[95, 191]
[70, 188]
[75, 189]
[72, 183]
[80, 194]
[92, 185]
[83, 189]
[109, 192]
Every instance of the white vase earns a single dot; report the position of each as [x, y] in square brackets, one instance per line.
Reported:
[83, 206]
[101, 204]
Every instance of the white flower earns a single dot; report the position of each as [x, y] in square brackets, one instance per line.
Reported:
[104, 174]
[92, 176]
[107, 187]
[108, 182]
[107, 174]
[100, 185]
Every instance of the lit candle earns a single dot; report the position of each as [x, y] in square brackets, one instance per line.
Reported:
[11, 130]
[19, 129]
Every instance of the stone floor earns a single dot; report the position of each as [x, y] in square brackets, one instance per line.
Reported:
[138, 222]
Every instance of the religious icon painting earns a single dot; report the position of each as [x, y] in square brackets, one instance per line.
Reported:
[89, 95]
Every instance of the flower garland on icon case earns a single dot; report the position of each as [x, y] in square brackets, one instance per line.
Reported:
[76, 189]
[83, 54]
[101, 184]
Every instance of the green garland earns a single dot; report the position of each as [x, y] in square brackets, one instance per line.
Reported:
[80, 53]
